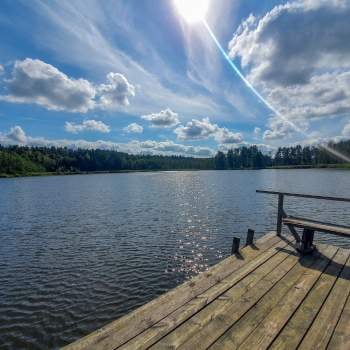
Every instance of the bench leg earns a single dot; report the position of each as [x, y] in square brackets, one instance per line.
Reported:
[306, 246]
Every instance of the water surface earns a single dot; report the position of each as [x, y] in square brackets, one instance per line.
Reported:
[77, 252]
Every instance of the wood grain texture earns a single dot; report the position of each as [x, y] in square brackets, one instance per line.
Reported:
[122, 330]
[270, 297]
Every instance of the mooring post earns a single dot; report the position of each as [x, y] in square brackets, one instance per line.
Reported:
[280, 214]
[250, 237]
[235, 245]
[306, 246]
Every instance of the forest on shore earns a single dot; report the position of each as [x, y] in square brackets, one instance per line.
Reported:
[22, 161]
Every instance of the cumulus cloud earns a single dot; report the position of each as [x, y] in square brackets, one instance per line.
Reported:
[265, 149]
[224, 135]
[164, 119]
[134, 128]
[34, 81]
[298, 55]
[17, 136]
[171, 147]
[257, 132]
[116, 92]
[87, 125]
[196, 130]
[282, 128]
[204, 129]
[346, 130]
[281, 52]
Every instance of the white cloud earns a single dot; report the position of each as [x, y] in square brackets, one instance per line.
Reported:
[346, 130]
[1, 69]
[171, 147]
[34, 81]
[265, 149]
[280, 129]
[164, 119]
[286, 55]
[134, 128]
[224, 135]
[87, 125]
[116, 92]
[303, 70]
[204, 129]
[16, 136]
[257, 132]
[64, 23]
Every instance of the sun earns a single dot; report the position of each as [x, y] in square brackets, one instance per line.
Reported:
[192, 10]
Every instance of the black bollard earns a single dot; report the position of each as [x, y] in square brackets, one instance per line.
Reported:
[235, 245]
[250, 237]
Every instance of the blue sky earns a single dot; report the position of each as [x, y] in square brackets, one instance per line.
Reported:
[135, 76]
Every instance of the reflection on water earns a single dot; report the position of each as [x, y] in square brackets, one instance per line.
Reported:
[77, 252]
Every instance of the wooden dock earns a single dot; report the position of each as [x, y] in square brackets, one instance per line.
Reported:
[268, 296]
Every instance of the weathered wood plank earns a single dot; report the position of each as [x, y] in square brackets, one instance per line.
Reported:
[236, 335]
[293, 333]
[341, 337]
[223, 319]
[337, 199]
[120, 331]
[166, 325]
[226, 300]
[324, 325]
[266, 332]
[317, 226]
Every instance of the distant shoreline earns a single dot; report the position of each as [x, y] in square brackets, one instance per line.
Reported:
[286, 167]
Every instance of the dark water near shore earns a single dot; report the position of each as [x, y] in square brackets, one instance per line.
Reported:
[79, 251]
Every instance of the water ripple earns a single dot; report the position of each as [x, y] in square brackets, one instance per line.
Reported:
[78, 252]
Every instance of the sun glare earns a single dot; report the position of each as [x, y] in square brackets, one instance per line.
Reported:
[192, 10]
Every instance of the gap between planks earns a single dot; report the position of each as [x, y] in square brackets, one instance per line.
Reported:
[121, 331]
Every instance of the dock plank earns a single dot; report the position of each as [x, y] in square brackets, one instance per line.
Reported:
[236, 335]
[301, 321]
[227, 300]
[269, 297]
[321, 331]
[165, 326]
[121, 331]
[224, 318]
[341, 336]
[267, 331]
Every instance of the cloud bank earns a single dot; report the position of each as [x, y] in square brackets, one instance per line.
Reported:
[298, 55]
[87, 125]
[204, 129]
[36, 82]
[17, 136]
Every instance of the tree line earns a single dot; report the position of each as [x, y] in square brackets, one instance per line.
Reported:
[16, 160]
[251, 157]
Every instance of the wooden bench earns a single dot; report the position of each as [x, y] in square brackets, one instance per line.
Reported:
[305, 243]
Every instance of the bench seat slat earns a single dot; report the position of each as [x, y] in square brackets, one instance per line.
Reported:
[317, 226]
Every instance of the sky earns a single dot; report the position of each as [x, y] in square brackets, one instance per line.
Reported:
[134, 76]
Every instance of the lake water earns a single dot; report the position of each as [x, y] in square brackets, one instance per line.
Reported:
[77, 252]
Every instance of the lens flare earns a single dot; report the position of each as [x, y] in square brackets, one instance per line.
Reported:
[192, 10]
[327, 148]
